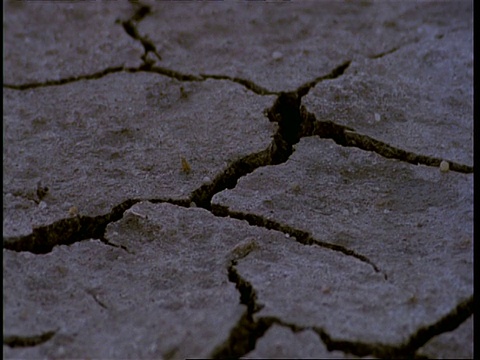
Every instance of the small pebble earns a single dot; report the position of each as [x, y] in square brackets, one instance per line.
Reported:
[242, 249]
[73, 211]
[377, 117]
[444, 166]
[277, 55]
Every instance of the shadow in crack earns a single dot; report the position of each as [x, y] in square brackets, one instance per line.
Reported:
[15, 341]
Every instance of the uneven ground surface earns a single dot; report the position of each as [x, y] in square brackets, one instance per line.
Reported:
[238, 179]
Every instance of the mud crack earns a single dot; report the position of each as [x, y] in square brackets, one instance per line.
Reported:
[70, 230]
[302, 237]
[66, 231]
[145, 67]
[244, 335]
[364, 142]
[286, 112]
[130, 27]
[407, 350]
[67, 80]
[15, 341]
[335, 73]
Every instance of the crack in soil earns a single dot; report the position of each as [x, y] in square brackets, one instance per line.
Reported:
[405, 350]
[294, 122]
[245, 334]
[250, 85]
[94, 296]
[384, 53]
[335, 73]
[302, 237]
[67, 80]
[66, 231]
[15, 341]
[364, 142]
[130, 27]
[146, 67]
[70, 230]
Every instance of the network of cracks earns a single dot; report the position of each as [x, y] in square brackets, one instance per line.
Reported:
[293, 121]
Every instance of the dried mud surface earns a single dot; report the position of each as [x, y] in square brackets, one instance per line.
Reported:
[238, 179]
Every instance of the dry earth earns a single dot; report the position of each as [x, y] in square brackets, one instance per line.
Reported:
[238, 179]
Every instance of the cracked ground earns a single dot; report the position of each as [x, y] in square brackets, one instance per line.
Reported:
[238, 179]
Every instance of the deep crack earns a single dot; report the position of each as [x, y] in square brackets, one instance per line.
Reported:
[250, 85]
[286, 112]
[384, 53]
[244, 335]
[67, 80]
[364, 142]
[66, 231]
[406, 350]
[294, 122]
[130, 27]
[447, 323]
[15, 341]
[300, 236]
[335, 73]
[73, 229]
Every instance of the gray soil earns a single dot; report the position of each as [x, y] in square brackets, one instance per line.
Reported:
[238, 179]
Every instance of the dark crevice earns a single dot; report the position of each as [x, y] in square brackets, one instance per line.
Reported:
[250, 85]
[130, 27]
[294, 122]
[286, 113]
[166, 72]
[178, 202]
[407, 350]
[141, 13]
[364, 142]
[15, 341]
[228, 179]
[67, 80]
[248, 296]
[361, 349]
[447, 323]
[300, 236]
[242, 338]
[95, 298]
[146, 67]
[382, 54]
[70, 230]
[244, 335]
[346, 136]
[123, 247]
[335, 73]
[66, 231]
